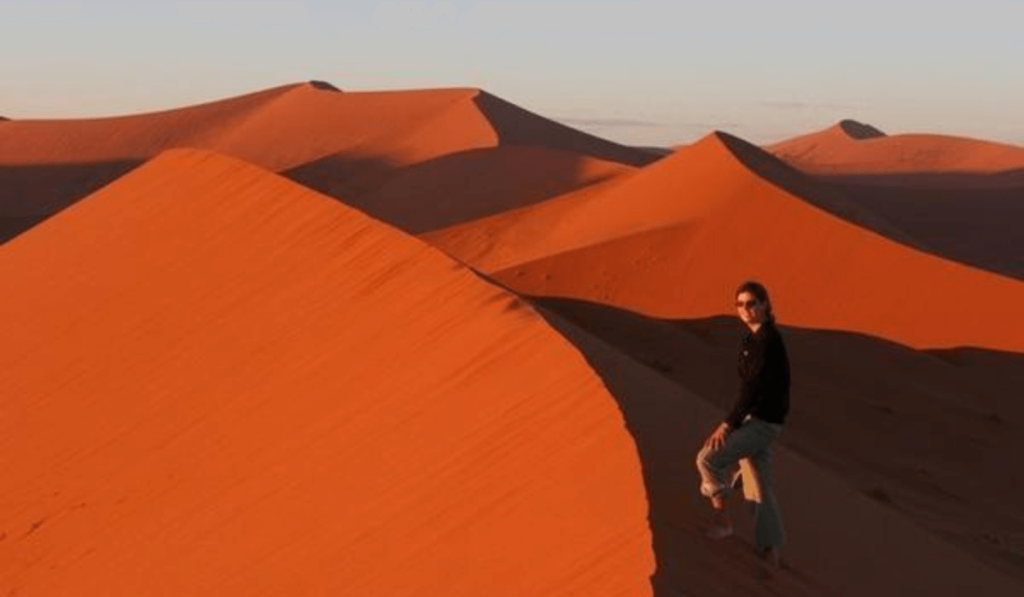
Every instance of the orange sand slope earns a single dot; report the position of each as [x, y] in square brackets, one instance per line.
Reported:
[850, 147]
[676, 238]
[221, 383]
[523, 234]
[343, 144]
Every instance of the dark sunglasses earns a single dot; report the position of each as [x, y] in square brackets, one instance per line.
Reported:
[746, 304]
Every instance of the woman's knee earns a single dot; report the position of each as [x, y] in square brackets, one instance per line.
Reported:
[702, 457]
[714, 459]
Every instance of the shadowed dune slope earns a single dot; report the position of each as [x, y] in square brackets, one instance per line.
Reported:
[486, 120]
[967, 217]
[221, 383]
[677, 241]
[841, 541]
[340, 143]
[46, 165]
[516, 126]
[461, 186]
[846, 148]
[40, 190]
[959, 198]
[916, 431]
[973, 219]
[287, 126]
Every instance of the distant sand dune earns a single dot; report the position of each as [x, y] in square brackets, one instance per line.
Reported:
[960, 198]
[278, 128]
[340, 143]
[680, 188]
[854, 148]
[222, 383]
[674, 239]
[475, 183]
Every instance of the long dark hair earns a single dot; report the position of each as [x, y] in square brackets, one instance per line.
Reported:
[758, 290]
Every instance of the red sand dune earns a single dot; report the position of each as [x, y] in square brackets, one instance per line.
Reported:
[341, 143]
[527, 233]
[955, 197]
[675, 239]
[850, 147]
[221, 383]
[285, 127]
[596, 214]
[461, 186]
[278, 128]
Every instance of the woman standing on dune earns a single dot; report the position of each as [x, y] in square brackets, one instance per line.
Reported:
[751, 428]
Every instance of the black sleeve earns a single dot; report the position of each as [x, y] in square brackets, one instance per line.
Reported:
[752, 380]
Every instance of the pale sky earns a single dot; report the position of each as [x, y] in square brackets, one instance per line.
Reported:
[640, 72]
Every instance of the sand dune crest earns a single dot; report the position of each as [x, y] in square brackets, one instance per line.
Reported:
[859, 130]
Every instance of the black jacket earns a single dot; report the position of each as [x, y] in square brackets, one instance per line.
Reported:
[764, 373]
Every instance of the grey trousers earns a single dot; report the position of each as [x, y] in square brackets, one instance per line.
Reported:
[747, 451]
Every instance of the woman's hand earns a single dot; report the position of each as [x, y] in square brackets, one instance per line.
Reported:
[717, 438]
